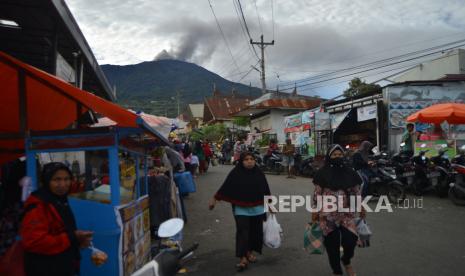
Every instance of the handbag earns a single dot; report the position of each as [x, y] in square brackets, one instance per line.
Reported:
[313, 239]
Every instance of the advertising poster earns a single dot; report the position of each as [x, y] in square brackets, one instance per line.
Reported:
[434, 146]
[367, 113]
[135, 239]
[293, 120]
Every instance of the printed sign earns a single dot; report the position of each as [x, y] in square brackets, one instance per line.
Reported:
[135, 241]
[367, 113]
[293, 120]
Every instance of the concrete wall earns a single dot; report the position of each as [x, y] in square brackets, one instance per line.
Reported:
[262, 123]
[452, 62]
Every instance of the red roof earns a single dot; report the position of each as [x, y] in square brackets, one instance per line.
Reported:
[221, 107]
[49, 104]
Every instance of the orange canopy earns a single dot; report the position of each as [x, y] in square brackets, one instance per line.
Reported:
[453, 113]
[31, 99]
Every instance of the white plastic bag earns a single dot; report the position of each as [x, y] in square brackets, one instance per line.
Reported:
[272, 232]
[364, 233]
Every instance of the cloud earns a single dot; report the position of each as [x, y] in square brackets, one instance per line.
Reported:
[311, 36]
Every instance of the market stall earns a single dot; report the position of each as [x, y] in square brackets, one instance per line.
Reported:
[438, 123]
[47, 119]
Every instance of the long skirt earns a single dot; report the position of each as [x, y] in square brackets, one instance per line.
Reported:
[249, 234]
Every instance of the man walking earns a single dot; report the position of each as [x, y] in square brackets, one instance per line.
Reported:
[288, 151]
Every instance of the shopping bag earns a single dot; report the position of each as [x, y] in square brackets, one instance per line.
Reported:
[12, 261]
[272, 232]
[364, 233]
[185, 182]
[313, 239]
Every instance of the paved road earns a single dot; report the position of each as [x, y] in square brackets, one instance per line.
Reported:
[422, 241]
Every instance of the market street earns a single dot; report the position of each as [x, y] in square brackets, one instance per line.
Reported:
[423, 241]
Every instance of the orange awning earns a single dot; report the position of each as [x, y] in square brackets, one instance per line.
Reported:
[32, 99]
[453, 113]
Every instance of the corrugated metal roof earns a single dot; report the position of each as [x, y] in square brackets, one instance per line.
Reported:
[223, 107]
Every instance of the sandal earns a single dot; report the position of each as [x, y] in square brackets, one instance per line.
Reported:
[251, 258]
[349, 270]
[241, 266]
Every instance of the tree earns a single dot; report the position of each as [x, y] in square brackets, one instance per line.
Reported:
[211, 132]
[241, 121]
[358, 87]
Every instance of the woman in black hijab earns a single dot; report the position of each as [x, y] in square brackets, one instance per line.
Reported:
[245, 188]
[49, 235]
[340, 181]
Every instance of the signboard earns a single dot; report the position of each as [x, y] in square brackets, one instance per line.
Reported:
[405, 100]
[367, 113]
[434, 146]
[307, 117]
[293, 120]
[322, 121]
[134, 220]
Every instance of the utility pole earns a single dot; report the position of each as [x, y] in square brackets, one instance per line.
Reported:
[262, 45]
[178, 94]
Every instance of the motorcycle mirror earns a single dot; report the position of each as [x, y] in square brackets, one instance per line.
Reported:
[170, 227]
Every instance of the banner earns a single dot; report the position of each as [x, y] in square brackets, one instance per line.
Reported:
[307, 117]
[134, 219]
[322, 121]
[367, 113]
[293, 120]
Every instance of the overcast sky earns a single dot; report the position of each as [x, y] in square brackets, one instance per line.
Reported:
[311, 37]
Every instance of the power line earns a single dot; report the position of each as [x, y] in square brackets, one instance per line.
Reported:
[369, 54]
[244, 34]
[371, 69]
[376, 62]
[222, 34]
[246, 27]
[250, 70]
[410, 66]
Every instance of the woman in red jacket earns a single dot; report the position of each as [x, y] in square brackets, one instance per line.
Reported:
[49, 236]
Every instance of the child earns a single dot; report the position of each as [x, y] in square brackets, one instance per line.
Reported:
[194, 165]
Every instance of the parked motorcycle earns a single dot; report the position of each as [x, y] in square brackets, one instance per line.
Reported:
[383, 181]
[272, 163]
[457, 188]
[404, 168]
[304, 166]
[443, 166]
[426, 178]
[168, 261]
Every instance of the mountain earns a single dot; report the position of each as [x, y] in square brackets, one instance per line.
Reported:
[150, 86]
